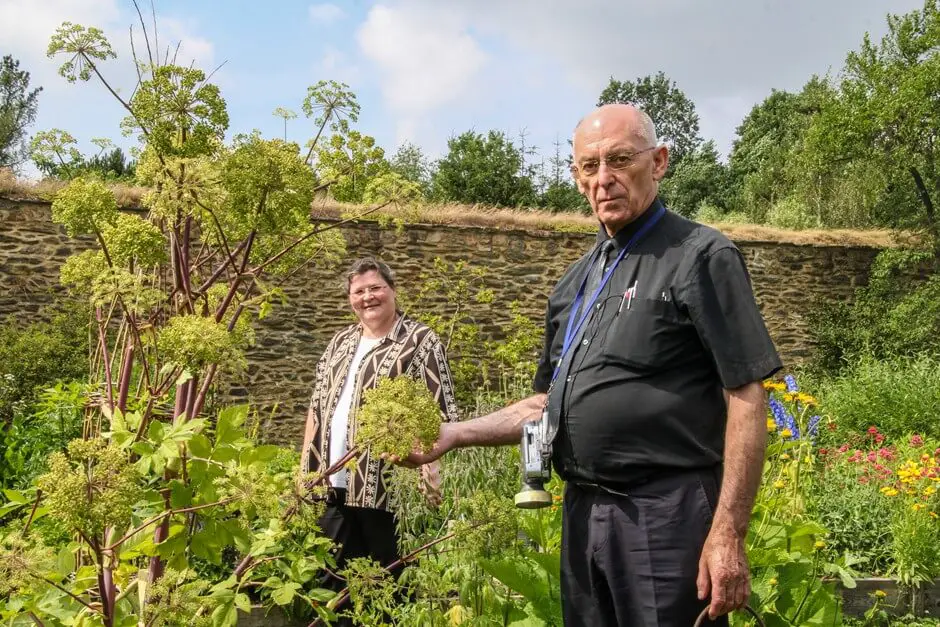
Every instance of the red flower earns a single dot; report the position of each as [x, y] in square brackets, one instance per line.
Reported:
[917, 441]
[823, 451]
[872, 456]
[863, 479]
[831, 426]
[886, 453]
[879, 438]
[873, 430]
[843, 448]
[856, 456]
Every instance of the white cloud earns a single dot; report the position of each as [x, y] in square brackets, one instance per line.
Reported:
[326, 13]
[335, 65]
[193, 48]
[426, 55]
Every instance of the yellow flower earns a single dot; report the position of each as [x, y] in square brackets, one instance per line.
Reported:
[771, 425]
[806, 399]
[934, 515]
[819, 545]
[785, 457]
[929, 490]
[880, 594]
[776, 387]
[779, 484]
[773, 581]
[786, 433]
[888, 491]
[917, 507]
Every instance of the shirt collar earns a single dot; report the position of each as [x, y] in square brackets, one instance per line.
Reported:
[398, 333]
[622, 236]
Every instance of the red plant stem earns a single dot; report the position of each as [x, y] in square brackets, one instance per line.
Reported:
[316, 231]
[191, 398]
[103, 343]
[32, 512]
[105, 585]
[221, 269]
[162, 515]
[233, 289]
[124, 383]
[344, 593]
[204, 390]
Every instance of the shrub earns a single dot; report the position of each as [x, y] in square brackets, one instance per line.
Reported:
[898, 396]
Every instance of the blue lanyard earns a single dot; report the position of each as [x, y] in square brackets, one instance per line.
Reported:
[572, 329]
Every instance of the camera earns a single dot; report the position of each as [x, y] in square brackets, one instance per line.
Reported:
[536, 453]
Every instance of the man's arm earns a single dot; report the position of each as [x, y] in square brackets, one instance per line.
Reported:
[723, 570]
[503, 426]
[309, 429]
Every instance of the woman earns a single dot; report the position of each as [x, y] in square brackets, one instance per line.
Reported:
[383, 343]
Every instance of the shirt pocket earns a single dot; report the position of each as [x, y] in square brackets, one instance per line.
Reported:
[649, 335]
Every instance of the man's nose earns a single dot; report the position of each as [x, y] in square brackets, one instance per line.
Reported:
[605, 175]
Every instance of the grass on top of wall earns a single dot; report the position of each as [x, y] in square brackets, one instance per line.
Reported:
[457, 214]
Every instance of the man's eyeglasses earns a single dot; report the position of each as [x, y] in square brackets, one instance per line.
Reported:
[372, 289]
[615, 161]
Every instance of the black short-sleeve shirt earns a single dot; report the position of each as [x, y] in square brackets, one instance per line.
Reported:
[644, 392]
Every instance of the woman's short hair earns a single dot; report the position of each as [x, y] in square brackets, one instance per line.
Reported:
[369, 264]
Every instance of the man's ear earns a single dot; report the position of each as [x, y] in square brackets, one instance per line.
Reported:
[660, 162]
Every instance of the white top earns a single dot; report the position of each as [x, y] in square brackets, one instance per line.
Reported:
[340, 422]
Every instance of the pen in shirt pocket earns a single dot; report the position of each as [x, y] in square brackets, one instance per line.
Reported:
[628, 297]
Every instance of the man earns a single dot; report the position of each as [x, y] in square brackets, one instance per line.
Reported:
[382, 343]
[658, 399]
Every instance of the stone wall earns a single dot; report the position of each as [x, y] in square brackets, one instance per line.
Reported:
[520, 265]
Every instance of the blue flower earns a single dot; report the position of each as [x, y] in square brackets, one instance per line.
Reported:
[779, 412]
[813, 426]
[790, 380]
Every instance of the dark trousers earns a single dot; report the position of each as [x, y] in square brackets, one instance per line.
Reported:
[631, 558]
[358, 532]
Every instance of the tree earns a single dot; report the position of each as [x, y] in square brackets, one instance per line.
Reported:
[699, 178]
[483, 169]
[770, 139]
[671, 110]
[347, 161]
[886, 120]
[557, 191]
[409, 162]
[18, 105]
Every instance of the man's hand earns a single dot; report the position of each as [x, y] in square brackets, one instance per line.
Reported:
[446, 441]
[723, 572]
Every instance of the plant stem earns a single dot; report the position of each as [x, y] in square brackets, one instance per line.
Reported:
[60, 588]
[103, 342]
[161, 516]
[317, 231]
[32, 512]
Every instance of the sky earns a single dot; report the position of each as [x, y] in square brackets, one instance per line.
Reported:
[427, 70]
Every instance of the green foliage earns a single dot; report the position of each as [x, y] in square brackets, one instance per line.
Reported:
[132, 239]
[40, 353]
[792, 214]
[349, 161]
[699, 178]
[192, 342]
[895, 315]
[480, 169]
[397, 415]
[372, 591]
[410, 163]
[898, 396]
[671, 110]
[885, 115]
[84, 207]
[85, 45]
[18, 105]
[178, 113]
[91, 488]
[36, 429]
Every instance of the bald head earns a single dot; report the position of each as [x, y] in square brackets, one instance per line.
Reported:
[627, 119]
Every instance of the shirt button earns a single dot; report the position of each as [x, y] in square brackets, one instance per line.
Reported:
[568, 379]
[585, 342]
[597, 306]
